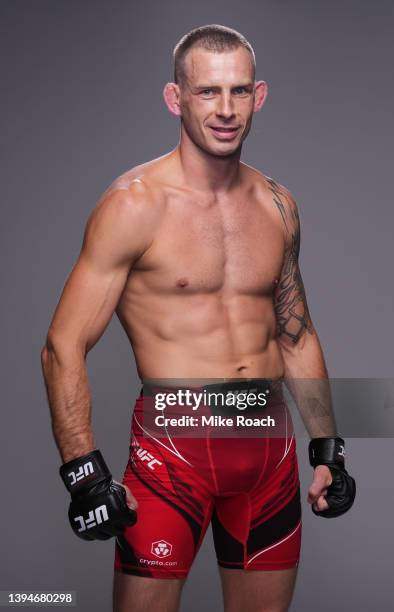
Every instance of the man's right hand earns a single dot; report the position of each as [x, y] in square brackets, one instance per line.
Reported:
[99, 507]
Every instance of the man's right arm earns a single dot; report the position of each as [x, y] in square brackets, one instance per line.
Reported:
[117, 233]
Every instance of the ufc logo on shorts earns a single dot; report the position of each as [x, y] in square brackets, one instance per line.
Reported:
[341, 452]
[83, 471]
[95, 517]
[145, 456]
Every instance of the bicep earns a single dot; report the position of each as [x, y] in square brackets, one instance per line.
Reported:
[112, 241]
[87, 303]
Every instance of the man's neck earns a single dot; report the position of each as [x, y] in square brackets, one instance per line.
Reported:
[208, 173]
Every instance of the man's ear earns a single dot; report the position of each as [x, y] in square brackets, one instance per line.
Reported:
[260, 95]
[171, 94]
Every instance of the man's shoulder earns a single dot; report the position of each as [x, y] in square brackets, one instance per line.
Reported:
[131, 200]
[139, 182]
[276, 199]
[266, 183]
[136, 192]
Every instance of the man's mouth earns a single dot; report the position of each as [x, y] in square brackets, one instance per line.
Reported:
[222, 132]
[219, 128]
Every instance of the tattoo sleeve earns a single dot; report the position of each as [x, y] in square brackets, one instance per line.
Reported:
[291, 309]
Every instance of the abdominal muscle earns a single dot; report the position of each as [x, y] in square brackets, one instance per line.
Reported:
[202, 335]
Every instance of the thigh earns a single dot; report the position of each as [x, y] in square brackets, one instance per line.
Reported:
[260, 529]
[173, 515]
[257, 591]
[138, 594]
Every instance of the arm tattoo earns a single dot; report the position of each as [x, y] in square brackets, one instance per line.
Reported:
[274, 187]
[291, 309]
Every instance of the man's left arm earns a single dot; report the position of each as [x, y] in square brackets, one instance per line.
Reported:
[304, 366]
[305, 370]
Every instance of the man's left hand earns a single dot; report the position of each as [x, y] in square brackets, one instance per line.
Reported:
[322, 479]
[333, 490]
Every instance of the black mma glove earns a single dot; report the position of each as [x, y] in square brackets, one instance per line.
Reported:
[98, 508]
[342, 491]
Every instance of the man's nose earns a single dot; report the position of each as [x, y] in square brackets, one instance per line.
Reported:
[225, 106]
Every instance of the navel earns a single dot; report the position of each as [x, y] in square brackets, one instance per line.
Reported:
[182, 282]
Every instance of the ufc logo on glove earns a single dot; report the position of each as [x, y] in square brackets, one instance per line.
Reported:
[84, 470]
[96, 517]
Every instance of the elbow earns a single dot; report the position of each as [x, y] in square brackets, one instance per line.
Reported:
[48, 345]
[44, 355]
[60, 351]
[288, 344]
[52, 345]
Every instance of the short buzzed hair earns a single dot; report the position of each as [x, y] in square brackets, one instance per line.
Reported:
[215, 38]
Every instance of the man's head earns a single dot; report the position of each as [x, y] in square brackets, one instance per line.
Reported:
[214, 87]
[213, 38]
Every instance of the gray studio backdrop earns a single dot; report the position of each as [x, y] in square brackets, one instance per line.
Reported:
[81, 103]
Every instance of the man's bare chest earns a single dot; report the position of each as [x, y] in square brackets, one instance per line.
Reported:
[235, 247]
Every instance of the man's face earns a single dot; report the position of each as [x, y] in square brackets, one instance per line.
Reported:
[217, 99]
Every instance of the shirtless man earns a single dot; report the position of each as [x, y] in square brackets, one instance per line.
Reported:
[197, 253]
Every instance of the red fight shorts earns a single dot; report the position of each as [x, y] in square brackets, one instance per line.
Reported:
[246, 487]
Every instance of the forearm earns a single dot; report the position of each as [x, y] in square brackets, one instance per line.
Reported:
[306, 378]
[69, 400]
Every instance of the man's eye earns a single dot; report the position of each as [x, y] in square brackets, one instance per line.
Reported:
[240, 90]
[207, 92]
